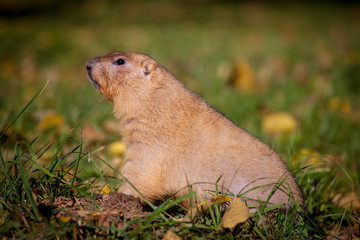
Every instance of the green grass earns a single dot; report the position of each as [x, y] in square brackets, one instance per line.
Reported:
[199, 43]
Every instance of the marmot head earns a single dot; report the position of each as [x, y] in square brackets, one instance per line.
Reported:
[116, 72]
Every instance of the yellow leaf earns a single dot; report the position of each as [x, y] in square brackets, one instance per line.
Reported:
[220, 199]
[65, 219]
[307, 157]
[336, 104]
[236, 213]
[202, 207]
[242, 77]
[278, 123]
[345, 108]
[117, 148]
[106, 190]
[197, 211]
[51, 121]
[171, 236]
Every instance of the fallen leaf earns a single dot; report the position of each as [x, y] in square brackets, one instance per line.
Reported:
[65, 219]
[199, 210]
[236, 213]
[202, 207]
[347, 200]
[51, 121]
[220, 199]
[307, 157]
[345, 108]
[83, 213]
[356, 223]
[171, 236]
[278, 123]
[242, 77]
[117, 148]
[339, 105]
[106, 190]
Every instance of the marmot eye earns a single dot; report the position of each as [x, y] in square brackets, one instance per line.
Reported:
[120, 61]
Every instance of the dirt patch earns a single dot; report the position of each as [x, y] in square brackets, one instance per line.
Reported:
[112, 209]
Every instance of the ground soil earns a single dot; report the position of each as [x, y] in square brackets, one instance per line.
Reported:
[113, 209]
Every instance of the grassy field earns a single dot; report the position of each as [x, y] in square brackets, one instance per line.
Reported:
[302, 60]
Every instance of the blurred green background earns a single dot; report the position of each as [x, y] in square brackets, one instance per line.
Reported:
[300, 58]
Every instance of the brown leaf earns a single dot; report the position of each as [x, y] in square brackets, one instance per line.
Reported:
[236, 213]
[171, 236]
[346, 200]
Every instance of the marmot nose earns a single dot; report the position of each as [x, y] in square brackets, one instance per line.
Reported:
[88, 65]
[92, 62]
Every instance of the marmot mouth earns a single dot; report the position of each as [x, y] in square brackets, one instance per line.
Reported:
[94, 83]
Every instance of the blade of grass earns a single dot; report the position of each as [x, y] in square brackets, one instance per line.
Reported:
[34, 160]
[163, 207]
[212, 215]
[23, 110]
[261, 218]
[10, 182]
[28, 191]
[166, 205]
[77, 164]
[342, 218]
[257, 230]
[55, 161]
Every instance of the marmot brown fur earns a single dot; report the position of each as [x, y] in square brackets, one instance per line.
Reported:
[175, 139]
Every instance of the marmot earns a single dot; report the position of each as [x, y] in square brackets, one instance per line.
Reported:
[175, 139]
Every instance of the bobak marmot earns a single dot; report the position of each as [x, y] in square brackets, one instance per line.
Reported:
[175, 139]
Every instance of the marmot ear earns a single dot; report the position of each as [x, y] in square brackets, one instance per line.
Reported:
[148, 67]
